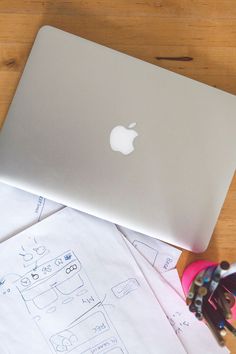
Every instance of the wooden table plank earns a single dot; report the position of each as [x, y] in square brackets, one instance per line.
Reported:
[113, 30]
[132, 8]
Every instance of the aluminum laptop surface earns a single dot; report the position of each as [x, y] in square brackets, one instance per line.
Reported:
[57, 141]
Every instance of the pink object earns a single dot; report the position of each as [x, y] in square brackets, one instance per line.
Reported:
[190, 273]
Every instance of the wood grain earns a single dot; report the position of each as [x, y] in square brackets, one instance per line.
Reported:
[157, 31]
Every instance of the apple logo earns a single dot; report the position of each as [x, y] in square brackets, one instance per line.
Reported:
[121, 138]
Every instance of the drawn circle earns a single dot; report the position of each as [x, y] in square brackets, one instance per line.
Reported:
[58, 262]
[35, 276]
[67, 270]
[28, 257]
[40, 250]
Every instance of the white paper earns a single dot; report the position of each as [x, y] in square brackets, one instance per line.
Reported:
[160, 255]
[70, 284]
[172, 277]
[19, 209]
[194, 334]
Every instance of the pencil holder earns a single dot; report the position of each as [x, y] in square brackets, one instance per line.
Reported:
[190, 273]
[210, 291]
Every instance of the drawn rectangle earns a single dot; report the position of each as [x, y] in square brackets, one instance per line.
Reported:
[126, 287]
[84, 331]
[116, 350]
[100, 347]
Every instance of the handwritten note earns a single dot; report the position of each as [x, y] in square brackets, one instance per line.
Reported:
[70, 284]
[19, 209]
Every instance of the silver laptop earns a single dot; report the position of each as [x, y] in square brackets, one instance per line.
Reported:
[121, 139]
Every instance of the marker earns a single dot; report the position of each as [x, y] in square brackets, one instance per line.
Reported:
[208, 274]
[216, 316]
[199, 316]
[199, 278]
[222, 302]
[229, 298]
[215, 330]
[231, 328]
[192, 307]
[223, 332]
[230, 284]
[230, 271]
[191, 291]
[223, 266]
[202, 291]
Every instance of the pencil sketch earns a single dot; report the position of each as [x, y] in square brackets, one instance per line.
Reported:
[70, 285]
[45, 299]
[84, 331]
[61, 289]
[102, 346]
[122, 289]
[66, 301]
[148, 252]
[32, 255]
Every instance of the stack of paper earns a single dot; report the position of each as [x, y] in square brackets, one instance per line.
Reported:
[76, 283]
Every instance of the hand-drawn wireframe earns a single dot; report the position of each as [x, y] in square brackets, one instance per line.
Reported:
[71, 284]
[84, 331]
[148, 252]
[122, 289]
[63, 293]
[45, 299]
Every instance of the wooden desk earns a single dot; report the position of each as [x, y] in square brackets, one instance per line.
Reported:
[195, 38]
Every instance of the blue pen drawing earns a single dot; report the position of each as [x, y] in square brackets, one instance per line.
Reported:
[122, 289]
[40, 207]
[60, 290]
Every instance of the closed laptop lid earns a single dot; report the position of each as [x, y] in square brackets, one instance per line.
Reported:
[121, 139]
